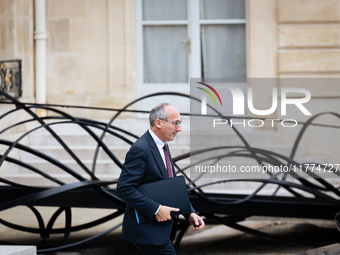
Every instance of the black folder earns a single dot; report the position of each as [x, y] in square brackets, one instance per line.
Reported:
[169, 192]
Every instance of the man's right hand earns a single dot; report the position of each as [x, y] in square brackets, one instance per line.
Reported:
[164, 213]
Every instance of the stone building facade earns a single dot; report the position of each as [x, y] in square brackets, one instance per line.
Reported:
[92, 49]
[91, 46]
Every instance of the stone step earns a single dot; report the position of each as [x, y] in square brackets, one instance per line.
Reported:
[85, 146]
[134, 126]
[88, 152]
[104, 167]
[251, 162]
[18, 250]
[84, 139]
[183, 138]
[108, 167]
[75, 135]
[239, 187]
[82, 152]
[104, 162]
[283, 149]
[253, 139]
[37, 180]
[232, 188]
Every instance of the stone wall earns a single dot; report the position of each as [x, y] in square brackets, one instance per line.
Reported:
[16, 39]
[294, 39]
[16, 42]
[308, 47]
[90, 50]
[90, 53]
[309, 38]
[91, 46]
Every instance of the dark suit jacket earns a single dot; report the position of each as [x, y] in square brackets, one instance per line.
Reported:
[143, 164]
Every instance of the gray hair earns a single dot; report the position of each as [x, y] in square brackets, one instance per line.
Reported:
[158, 112]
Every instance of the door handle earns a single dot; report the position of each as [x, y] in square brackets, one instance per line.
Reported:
[188, 42]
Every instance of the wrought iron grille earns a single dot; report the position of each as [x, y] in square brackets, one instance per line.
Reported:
[10, 78]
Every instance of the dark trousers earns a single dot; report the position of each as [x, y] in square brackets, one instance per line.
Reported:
[165, 249]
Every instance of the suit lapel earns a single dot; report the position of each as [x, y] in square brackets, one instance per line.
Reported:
[160, 162]
[157, 155]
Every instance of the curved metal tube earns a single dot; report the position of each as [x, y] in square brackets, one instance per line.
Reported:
[320, 190]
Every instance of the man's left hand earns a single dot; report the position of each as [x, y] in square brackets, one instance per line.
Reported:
[196, 221]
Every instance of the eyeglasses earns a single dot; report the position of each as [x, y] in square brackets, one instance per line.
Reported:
[176, 123]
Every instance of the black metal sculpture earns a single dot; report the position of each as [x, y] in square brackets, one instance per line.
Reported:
[216, 208]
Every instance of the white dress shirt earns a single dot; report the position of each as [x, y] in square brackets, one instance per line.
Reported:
[159, 144]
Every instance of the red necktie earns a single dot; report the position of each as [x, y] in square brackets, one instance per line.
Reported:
[168, 162]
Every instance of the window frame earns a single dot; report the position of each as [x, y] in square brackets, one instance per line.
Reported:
[193, 24]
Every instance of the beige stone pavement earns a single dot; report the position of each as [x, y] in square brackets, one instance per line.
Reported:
[218, 239]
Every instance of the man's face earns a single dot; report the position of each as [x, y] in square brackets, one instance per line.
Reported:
[169, 129]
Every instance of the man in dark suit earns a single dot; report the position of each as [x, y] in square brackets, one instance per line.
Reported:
[149, 160]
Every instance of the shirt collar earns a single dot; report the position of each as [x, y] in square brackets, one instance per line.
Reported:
[158, 141]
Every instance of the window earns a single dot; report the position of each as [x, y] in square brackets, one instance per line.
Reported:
[223, 38]
[182, 39]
